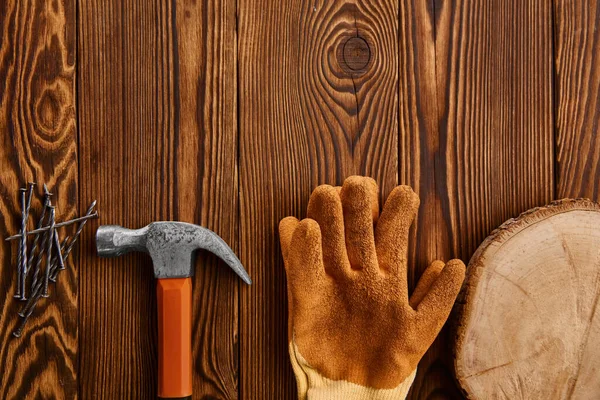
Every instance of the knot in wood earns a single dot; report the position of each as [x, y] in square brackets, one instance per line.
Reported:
[356, 53]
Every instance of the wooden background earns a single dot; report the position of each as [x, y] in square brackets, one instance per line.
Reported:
[227, 114]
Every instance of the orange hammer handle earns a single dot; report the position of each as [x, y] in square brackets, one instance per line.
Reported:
[174, 298]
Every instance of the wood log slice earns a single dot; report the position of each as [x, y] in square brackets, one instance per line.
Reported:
[527, 319]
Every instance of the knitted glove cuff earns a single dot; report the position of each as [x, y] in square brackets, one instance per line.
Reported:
[314, 386]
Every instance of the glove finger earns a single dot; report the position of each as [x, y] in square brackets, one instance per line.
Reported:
[435, 307]
[287, 226]
[325, 207]
[305, 273]
[392, 230]
[359, 200]
[305, 258]
[429, 276]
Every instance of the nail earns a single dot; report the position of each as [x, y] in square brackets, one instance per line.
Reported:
[40, 258]
[59, 257]
[49, 251]
[19, 331]
[19, 255]
[59, 225]
[66, 248]
[39, 225]
[80, 228]
[33, 297]
[77, 233]
[23, 248]
[54, 272]
[46, 191]
[24, 261]
[37, 287]
[81, 225]
[30, 186]
[30, 301]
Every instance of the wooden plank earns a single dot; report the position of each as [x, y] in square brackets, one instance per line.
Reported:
[577, 61]
[158, 141]
[207, 182]
[38, 143]
[476, 134]
[126, 144]
[309, 114]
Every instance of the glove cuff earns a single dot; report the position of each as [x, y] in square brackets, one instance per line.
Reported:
[314, 386]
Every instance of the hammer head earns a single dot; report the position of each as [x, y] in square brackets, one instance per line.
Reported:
[171, 245]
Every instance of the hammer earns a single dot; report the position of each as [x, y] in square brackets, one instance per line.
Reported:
[171, 246]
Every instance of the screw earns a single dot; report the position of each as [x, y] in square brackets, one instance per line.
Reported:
[49, 251]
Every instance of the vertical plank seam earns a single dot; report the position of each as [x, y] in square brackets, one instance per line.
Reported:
[79, 190]
[554, 90]
[123, 93]
[174, 209]
[238, 234]
[398, 83]
[437, 120]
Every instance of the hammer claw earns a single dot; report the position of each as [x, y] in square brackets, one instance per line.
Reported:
[171, 246]
[216, 245]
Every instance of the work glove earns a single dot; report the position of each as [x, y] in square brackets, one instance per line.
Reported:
[353, 331]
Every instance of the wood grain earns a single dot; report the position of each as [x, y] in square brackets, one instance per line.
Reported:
[126, 127]
[38, 143]
[476, 136]
[577, 85]
[484, 126]
[158, 142]
[207, 183]
[536, 280]
[306, 118]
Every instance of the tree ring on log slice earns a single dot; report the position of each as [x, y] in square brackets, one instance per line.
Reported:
[528, 316]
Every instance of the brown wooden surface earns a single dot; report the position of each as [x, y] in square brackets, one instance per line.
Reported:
[228, 114]
[475, 116]
[158, 141]
[305, 119]
[577, 86]
[38, 142]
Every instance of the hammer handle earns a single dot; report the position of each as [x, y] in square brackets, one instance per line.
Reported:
[174, 298]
